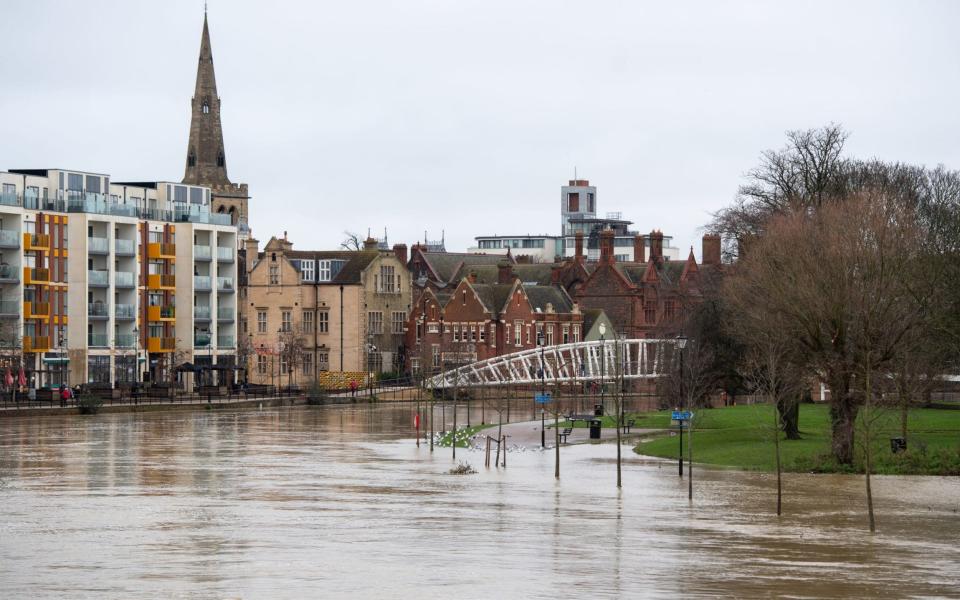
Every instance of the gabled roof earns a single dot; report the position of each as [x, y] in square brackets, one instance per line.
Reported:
[493, 296]
[541, 295]
[447, 265]
[539, 274]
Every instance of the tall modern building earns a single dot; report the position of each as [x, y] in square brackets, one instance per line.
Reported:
[206, 157]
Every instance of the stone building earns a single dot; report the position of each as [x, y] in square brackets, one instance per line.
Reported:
[344, 312]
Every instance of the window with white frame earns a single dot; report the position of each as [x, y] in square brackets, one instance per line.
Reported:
[261, 321]
[323, 360]
[375, 322]
[286, 321]
[307, 322]
[483, 333]
[261, 364]
[387, 280]
[274, 274]
[576, 334]
[550, 334]
[399, 319]
[307, 359]
[323, 321]
[456, 332]
[566, 334]
[323, 270]
[518, 333]
[306, 270]
[436, 356]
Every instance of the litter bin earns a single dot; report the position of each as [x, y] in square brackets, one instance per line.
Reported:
[898, 444]
[598, 410]
[594, 429]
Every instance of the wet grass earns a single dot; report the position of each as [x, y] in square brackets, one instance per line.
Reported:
[463, 436]
[742, 437]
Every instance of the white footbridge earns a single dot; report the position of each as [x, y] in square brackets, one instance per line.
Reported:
[565, 363]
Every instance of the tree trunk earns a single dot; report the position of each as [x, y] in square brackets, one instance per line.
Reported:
[776, 441]
[843, 416]
[789, 411]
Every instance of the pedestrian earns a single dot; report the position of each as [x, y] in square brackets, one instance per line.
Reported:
[353, 387]
[63, 395]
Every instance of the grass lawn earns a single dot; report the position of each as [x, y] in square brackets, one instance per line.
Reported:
[647, 420]
[741, 437]
[463, 436]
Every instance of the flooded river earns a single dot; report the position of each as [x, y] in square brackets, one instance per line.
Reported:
[339, 502]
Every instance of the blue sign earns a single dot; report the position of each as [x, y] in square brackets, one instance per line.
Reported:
[684, 415]
[542, 398]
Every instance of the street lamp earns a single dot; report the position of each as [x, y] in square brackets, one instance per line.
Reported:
[543, 390]
[681, 344]
[603, 364]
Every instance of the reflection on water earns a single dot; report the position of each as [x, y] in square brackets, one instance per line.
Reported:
[338, 502]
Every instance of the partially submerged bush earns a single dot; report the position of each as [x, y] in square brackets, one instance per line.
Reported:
[462, 469]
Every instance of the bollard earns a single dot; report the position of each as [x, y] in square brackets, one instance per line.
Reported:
[486, 460]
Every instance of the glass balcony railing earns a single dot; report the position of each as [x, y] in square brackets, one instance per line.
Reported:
[201, 282]
[98, 340]
[9, 199]
[201, 252]
[126, 340]
[225, 284]
[224, 254]
[225, 313]
[125, 311]
[98, 278]
[8, 272]
[98, 309]
[9, 307]
[123, 279]
[201, 340]
[225, 341]
[124, 247]
[9, 239]
[201, 312]
[96, 245]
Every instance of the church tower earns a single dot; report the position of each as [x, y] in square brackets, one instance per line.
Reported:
[206, 159]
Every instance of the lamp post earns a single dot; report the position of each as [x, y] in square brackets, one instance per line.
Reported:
[681, 344]
[60, 348]
[543, 391]
[603, 364]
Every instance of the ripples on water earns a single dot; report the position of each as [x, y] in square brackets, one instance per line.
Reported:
[338, 502]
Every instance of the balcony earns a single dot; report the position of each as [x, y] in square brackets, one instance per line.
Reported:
[124, 247]
[98, 278]
[161, 313]
[8, 199]
[97, 245]
[36, 344]
[9, 274]
[98, 311]
[201, 282]
[123, 279]
[98, 340]
[9, 239]
[225, 341]
[201, 313]
[161, 344]
[201, 339]
[225, 314]
[125, 340]
[36, 241]
[224, 254]
[201, 253]
[36, 310]
[33, 276]
[161, 251]
[9, 309]
[225, 284]
[125, 312]
[161, 282]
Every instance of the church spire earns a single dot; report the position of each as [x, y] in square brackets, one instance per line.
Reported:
[206, 161]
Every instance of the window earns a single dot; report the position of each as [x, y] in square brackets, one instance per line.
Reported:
[493, 332]
[483, 333]
[261, 364]
[375, 322]
[387, 280]
[307, 363]
[274, 274]
[518, 333]
[306, 270]
[473, 333]
[669, 309]
[191, 159]
[286, 321]
[528, 334]
[399, 319]
[323, 270]
[323, 360]
[576, 334]
[283, 363]
[566, 334]
[590, 205]
[573, 202]
[221, 161]
[307, 322]
[436, 356]
[650, 311]
[205, 108]
[323, 321]
[261, 321]
[456, 332]
[550, 335]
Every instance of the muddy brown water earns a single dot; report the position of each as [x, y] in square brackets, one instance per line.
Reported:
[339, 502]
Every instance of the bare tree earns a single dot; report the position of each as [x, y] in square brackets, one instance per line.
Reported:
[352, 241]
[245, 353]
[291, 350]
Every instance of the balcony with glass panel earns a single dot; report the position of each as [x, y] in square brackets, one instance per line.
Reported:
[225, 284]
[35, 276]
[9, 274]
[126, 340]
[125, 312]
[124, 247]
[201, 283]
[201, 339]
[97, 245]
[9, 239]
[10, 309]
[202, 253]
[225, 314]
[201, 313]
[225, 341]
[98, 311]
[9, 199]
[97, 278]
[123, 279]
[224, 254]
[36, 241]
[98, 340]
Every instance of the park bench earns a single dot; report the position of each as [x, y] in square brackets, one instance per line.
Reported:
[629, 425]
[565, 434]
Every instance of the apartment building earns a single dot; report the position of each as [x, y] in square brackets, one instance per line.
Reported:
[92, 273]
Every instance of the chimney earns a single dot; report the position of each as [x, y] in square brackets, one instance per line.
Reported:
[711, 249]
[579, 246]
[370, 244]
[472, 277]
[504, 272]
[639, 249]
[400, 251]
[656, 246]
[606, 245]
[251, 247]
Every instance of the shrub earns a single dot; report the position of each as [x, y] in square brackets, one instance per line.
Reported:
[89, 404]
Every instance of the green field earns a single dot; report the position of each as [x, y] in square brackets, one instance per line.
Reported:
[741, 437]
[463, 436]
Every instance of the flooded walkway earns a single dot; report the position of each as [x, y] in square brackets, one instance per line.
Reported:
[338, 502]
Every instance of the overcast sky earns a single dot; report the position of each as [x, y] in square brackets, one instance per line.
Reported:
[468, 116]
